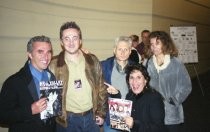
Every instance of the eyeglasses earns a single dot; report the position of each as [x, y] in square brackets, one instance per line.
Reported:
[70, 39]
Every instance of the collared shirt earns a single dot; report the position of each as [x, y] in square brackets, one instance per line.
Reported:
[38, 76]
[79, 92]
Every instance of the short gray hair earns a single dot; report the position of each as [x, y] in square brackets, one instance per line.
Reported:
[125, 39]
[41, 38]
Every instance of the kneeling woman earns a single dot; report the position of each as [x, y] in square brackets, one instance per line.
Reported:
[148, 109]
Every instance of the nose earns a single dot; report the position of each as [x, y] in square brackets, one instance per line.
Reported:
[123, 52]
[47, 55]
[71, 40]
[134, 81]
[152, 46]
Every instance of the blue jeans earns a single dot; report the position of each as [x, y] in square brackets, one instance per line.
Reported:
[78, 123]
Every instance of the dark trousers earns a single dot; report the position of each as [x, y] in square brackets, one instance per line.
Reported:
[77, 123]
[175, 128]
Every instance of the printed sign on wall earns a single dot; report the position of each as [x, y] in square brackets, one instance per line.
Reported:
[185, 40]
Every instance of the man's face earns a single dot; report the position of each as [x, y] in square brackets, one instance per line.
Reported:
[122, 51]
[41, 55]
[71, 40]
[145, 38]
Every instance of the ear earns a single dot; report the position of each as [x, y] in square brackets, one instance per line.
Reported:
[80, 42]
[130, 51]
[29, 55]
[145, 81]
[114, 51]
[62, 43]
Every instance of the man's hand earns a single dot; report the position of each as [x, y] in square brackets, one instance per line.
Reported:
[39, 106]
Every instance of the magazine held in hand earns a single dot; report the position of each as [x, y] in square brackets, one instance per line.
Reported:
[118, 109]
[52, 90]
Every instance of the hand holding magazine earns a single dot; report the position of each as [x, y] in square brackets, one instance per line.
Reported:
[52, 90]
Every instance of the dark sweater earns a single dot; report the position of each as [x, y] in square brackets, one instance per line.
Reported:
[147, 111]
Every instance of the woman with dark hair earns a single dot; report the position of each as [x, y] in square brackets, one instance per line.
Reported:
[148, 109]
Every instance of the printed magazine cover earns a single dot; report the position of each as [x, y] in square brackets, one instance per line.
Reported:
[52, 90]
[118, 109]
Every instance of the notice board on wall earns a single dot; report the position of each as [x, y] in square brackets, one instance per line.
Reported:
[185, 39]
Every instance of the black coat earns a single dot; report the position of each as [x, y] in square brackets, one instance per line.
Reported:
[147, 111]
[134, 56]
[17, 94]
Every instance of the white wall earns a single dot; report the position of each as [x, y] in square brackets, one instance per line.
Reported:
[100, 21]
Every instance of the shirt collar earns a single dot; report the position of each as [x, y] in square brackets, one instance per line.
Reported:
[165, 64]
[36, 73]
[119, 67]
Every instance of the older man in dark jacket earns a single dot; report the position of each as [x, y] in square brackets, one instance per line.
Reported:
[19, 97]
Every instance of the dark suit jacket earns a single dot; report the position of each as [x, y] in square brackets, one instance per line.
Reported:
[17, 94]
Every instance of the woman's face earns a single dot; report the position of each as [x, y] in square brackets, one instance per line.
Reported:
[156, 46]
[137, 81]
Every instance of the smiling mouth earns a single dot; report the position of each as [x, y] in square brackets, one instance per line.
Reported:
[44, 62]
